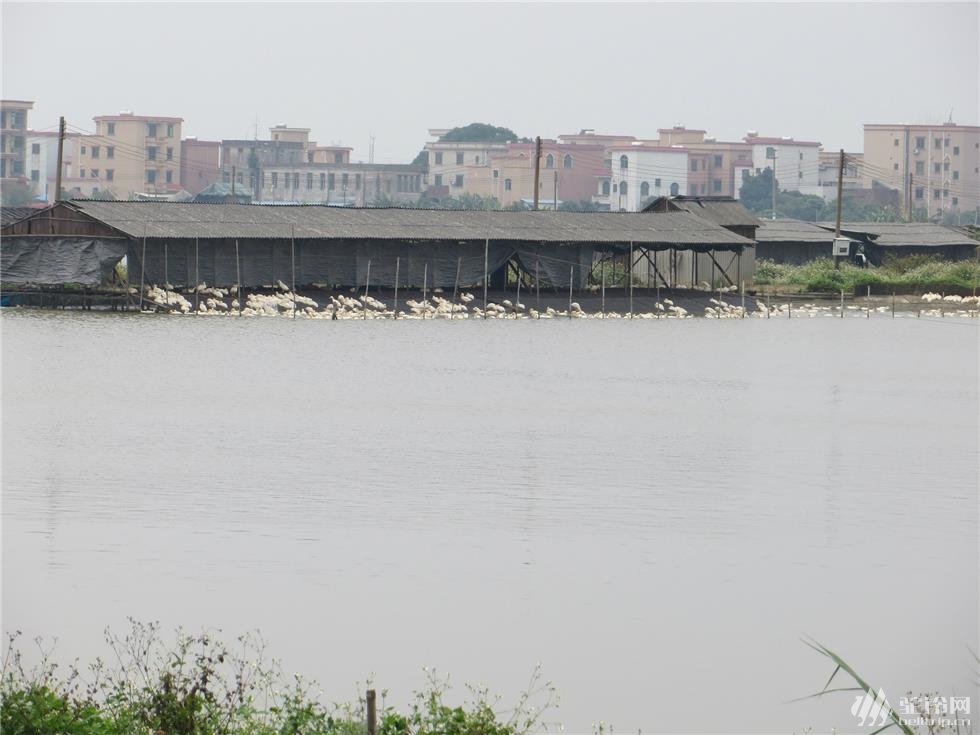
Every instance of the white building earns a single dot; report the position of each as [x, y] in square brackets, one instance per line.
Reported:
[797, 162]
[641, 171]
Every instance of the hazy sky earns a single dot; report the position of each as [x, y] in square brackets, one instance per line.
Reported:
[811, 71]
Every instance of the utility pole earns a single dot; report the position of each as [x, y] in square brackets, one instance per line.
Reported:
[771, 153]
[556, 190]
[840, 202]
[61, 158]
[537, 170]
[911, 216]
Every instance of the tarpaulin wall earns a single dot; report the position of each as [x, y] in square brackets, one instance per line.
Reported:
[56, 260]
[555, 265]
[335, 262]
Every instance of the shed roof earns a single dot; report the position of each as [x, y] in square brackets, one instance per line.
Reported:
[792, 230]
[252, 221]
[725, 211]
[904, 234]
[13, 214]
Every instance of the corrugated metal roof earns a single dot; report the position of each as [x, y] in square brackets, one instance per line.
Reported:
[13, 214]
[792, 230]
[904, 234]
[725, 211]
[244, 221]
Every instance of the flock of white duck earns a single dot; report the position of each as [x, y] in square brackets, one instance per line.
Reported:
[211, 301]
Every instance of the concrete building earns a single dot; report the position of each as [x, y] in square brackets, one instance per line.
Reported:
[936, 168]
[345, 184]
[829, 169]
[797, 162]
[449, 162]
[641, 171]
[42, 163]
[714, 167]
[200, 164]
[130, 156]
[13, 141]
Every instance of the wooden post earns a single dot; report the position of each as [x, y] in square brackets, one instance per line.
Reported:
[61, 158]
[166, 276]
[629, 276]
[238, 277]
[603, 290]
[292, 257]
[142, 267]
[893, 304]
[367, 281]
[372, 712]
[425, 279]
[398, 262]
[571, 278]
[842, 303]
[537, 285]
[517, 297]
[197, 276]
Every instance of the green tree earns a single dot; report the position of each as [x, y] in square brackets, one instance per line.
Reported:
[480, 133]
[15, 194]
[756, 192]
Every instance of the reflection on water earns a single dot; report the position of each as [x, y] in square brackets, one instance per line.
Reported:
[653, 510]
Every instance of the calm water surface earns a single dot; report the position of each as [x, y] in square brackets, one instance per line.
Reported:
[655, 511]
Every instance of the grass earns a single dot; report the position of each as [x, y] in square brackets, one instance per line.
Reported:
[200, 685]
[912, 274]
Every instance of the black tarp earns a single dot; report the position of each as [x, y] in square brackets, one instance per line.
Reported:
[56, 260]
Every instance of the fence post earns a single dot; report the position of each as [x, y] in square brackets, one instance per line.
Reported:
[372, 712]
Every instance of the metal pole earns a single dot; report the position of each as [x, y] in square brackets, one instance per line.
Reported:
[893, 304]
[741, 289]
[537, 170]
[142, 267]
[292, 257]
[629, 275]
[486, 266]
[367, 280]
[537, 285]
[840, 201]
[842, 303]
[459, 263]
[166, 277]
[238, 277]
[517, 297]
[425, 283]
[398, 262]
[61, 154]
[571, 278]
[603, 290]
[197, 275]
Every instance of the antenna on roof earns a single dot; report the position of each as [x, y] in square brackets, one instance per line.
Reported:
[950, 121]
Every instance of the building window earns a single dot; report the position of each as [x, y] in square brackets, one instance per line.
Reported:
[956, 175]
[94, 173]
[935, 193]
[309, 179]
[645, 189]
[549, 161]
[937, 143]
[35, 148]
[275, 179]
[718, 161]
[507, 184]
[615, 188]
[605, 188]
[920, 167]
[716, 185]
[296, 180]
[919, 192]
[438, 180]
[331, 182]
[81, 171]
[151, 176]
[675, 189]
[458, 181]
[323, 182]
[344, 180]
[624, 162]
[439, 158]
[459, 159]
[566, 162]
[83, 150]
[920, 142]
[694, 165]
[151, 130]
[170, 154]
[656, 183]
[338, 157]
[945, 165]
[109, 173]
[110, 128]
[623, 188]
[895, 142]
[95, 151]
[110, 151]
[169, 176]
[937, 168]
[496, 174]
[151, 152]
[956, 150]
[170, 131]
[894, 167]
[956, 201]
[35, 175]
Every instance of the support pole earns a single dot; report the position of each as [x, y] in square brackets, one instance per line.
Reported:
[629, 276]
[142, 267]
[166, 276]
[398, 262]
[537, 285]
[603, 290]
[197, 276]
[842, 303]
[517, 296]
[571, 279]
[452, 310]
[486, 266]
[292, 257]
[537, 170]
[367, 281]
[238, 277]
[556, 190]
[425, 283]
[61, 158]
[840, 201]
[372, 712]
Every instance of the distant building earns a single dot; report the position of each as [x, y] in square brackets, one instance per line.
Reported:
[797, 162]
[641, 171]
[200, 164]
[829, 169]
[130, 156]
[347, 184]
[13, 141]
[451, 163]
[935, 168]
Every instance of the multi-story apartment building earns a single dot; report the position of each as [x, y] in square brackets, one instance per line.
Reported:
[797, 162]
[13, 140]
[42, 163]
[200, 164]
[641, 171]
[714, 167]
[934, 167]
[130, 155]
[451, 163]
[345, 184]
[830, 168]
